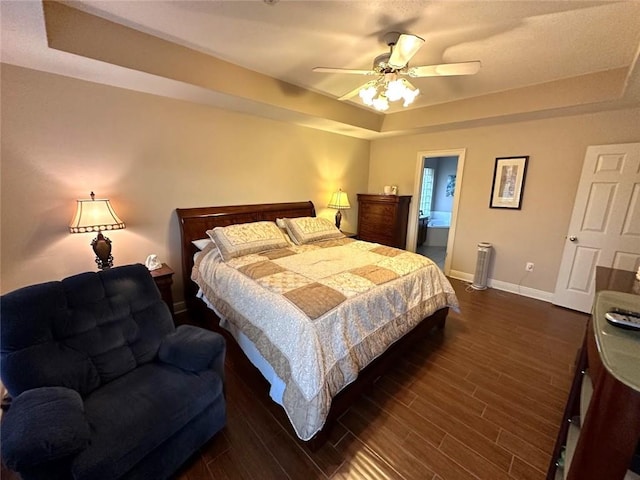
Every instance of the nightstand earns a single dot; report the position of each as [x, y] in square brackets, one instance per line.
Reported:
[163, 277]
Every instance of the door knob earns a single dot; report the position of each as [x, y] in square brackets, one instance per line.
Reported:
[573, 238]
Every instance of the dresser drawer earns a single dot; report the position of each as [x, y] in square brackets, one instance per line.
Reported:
[371, 231]
[378, 213]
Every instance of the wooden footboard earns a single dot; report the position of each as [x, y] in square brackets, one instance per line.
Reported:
[194, 223]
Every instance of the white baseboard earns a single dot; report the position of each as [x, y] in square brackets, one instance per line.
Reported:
[506, 287]
[179, 307]
[465, 277]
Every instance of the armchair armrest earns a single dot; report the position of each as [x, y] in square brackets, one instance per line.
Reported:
[42, 425]
[194, 349]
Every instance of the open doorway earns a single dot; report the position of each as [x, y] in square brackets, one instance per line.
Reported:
[436, 205]
[433, 216]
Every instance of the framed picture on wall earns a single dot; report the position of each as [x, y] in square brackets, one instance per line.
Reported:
[508, 182]
[451, 186]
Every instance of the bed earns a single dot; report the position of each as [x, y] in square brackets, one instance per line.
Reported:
[309, 324]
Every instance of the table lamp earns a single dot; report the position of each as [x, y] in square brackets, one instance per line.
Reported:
[340, 201]
[96, 215]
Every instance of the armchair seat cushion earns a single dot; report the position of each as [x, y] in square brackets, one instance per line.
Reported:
[134, 414]
[26, 444]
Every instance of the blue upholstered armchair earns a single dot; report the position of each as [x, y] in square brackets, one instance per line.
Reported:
[103, 385]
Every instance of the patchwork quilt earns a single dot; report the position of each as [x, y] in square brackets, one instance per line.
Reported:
[320, 312]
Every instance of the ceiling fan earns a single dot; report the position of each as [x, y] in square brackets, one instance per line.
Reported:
[388, 67]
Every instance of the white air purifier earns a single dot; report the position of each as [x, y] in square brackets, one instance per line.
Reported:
[482, 266]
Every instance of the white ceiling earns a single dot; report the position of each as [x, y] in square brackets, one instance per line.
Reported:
[520, 43]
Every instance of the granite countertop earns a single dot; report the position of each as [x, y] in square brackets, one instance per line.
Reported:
[619, 348]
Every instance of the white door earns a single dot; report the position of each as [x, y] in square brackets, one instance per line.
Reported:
[605, 224]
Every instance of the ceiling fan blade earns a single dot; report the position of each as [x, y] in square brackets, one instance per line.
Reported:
[405, 48]
[355, 91]
[407, 83]
[445, 69]
[343, 70]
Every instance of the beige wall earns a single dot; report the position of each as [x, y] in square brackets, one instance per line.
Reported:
[62, 138]
[536, 233]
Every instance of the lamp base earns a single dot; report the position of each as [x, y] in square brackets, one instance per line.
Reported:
[102, 248]
[338, 219]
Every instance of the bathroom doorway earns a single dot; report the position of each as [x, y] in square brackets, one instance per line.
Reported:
[438, 177]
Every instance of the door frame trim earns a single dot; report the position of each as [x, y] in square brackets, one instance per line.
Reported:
[412, 226]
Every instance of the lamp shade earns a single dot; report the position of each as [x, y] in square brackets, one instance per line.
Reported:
[339, 200]
[95, 215]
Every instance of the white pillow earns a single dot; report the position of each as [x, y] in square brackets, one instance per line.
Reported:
[245, 238]
[311, 229]
[202, 243]
[283, 228]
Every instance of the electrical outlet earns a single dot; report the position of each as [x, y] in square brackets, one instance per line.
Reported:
[529, 267]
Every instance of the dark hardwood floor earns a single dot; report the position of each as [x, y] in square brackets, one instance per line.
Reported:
[482, 399]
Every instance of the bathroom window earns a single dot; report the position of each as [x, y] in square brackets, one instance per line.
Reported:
[426, 196]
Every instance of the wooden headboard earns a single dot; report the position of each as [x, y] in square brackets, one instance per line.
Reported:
[194, 223]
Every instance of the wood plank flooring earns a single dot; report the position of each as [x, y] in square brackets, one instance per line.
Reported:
[481, 400]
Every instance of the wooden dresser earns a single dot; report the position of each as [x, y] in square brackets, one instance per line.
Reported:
[383, 219]
[601, 426]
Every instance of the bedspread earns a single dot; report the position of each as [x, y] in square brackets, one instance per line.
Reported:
[319, 313]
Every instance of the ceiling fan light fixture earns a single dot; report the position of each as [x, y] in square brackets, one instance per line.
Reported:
[388, 88]
[381, 103]
[409, 96]
[395, 90]
[367, 94]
